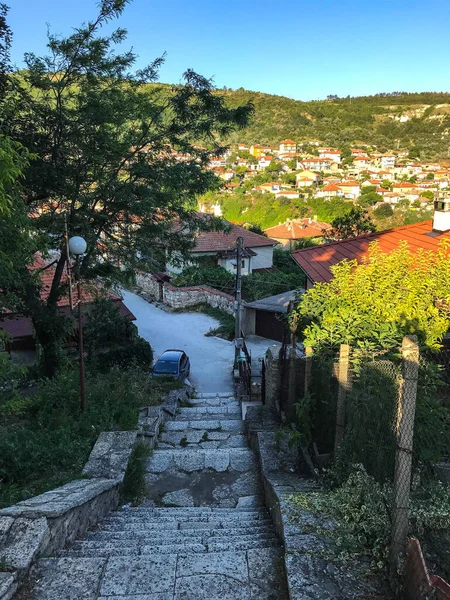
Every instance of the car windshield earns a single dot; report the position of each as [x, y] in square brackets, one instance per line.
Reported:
[166, 366]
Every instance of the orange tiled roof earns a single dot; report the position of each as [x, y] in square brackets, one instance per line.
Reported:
[211, 241]
[316, 262]
[297, 229]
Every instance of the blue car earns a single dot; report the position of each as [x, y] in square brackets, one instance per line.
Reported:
[172, 363]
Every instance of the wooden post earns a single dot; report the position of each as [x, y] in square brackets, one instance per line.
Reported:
[403, 455]
[308, 368]
[344, 385]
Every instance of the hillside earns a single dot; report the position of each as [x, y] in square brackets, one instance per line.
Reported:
[419, 121]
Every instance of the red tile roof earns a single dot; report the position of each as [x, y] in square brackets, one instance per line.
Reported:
[212, 241]
[316, 262]
[297, 229]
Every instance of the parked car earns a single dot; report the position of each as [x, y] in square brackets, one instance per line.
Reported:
[172, 363]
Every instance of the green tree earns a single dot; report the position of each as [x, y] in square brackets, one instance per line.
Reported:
[430, 177]
[274, 167]
[384, 211]
[377, 303]
[369, 199]
[292, 163]
[289, 178]
[103, 140]
[355, 222]
[386, 184]
[428, 194]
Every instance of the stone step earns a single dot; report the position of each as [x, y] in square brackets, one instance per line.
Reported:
[155, 512]
[203, 439]
[145, 527]
[183, 543]
[182, 535]
[218, 425]
[208, 395]
[230, 575]
[199, 459]
[209, 412]
[233, 516]
[214, 402]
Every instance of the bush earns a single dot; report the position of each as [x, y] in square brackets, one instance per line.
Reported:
[48, 440]
[383, 211]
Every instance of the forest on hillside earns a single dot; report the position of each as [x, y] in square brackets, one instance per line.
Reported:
[419, 122]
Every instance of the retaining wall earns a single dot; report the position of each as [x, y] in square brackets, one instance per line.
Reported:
[183, 297]
[46, 523]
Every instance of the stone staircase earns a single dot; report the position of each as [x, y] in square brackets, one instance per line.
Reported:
[202, 533]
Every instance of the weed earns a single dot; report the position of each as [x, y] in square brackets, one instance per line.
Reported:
[161, 428]
[134, 487]
[185, 404]
[4, 566]
[184, 442]
[205, 436]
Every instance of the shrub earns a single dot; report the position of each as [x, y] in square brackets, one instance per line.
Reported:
[383, 211]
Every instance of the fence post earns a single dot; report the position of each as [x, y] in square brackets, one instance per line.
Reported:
[403, 455]
[308, 368]
[344, 385]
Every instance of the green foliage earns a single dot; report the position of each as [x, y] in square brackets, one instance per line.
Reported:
[47, 441]
[226, 328]
[353, 223]
[369, 199]
[216, 277]
[384, 211]
[134, 486]
[112, 339]
[360, 512]
[99, 135]
[377, 303]
[428, 194]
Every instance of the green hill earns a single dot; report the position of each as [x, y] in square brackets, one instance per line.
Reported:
[419, 121]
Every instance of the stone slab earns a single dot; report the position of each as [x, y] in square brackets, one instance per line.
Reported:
[178, 498]
[8, 585]
[229, 564]
[109, 457]
[23, 542]
[60, 500]
[5, 526]
[139, 575]
[210, 587]
[68, 578]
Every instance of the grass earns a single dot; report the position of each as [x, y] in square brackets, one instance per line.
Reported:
[226, 328]
[45, 440]
[134, 487]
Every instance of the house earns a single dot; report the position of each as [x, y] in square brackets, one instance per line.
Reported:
[263, 162]
[265, 317]
[362, 162]
[288, 146]
[20, 327]
[272, 187]
[404, 188]
[220, 246]
[332, 153]
[316, 262]
[287, 194]
[242, 148]
[256, 150]
[317, 164]
[307, 175]
[292, 230]
[358, 152]
[331, 190]
[387, 161]
[350, 188]
[217, 161]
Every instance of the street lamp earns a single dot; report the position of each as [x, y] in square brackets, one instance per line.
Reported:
[77, 246]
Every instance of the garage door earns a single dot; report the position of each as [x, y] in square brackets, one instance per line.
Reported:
[269, 325]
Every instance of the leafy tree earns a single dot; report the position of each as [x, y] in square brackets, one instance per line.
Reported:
[416, 204]
[413, 179]
[377, 303]
[355, 222]
[274, 167]
[289, 178]
[384, 211]
[240, 170]
[255, 228]
[403, 203]
[103, 142]
[428, 194]
[430, 177]
[386, 184]
[367, 189]
[292, 163]
[369, 199]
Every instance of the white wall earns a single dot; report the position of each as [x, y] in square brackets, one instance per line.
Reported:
[263, 258]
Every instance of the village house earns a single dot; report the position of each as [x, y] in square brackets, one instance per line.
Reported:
[219, 248]
[256, 150]
[316, 262]
[217, 161]
[243, 148]
[317, 164]
[403, 188]
[271, 187]
[292, 230]
[331, 190]
[387, 161]
[288, 146]
[264, 162]
[351, 189]
[358, 152]
[287, 193]
[361, 162]
[332, 153]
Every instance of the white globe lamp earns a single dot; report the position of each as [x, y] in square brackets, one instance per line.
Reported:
[77, 245]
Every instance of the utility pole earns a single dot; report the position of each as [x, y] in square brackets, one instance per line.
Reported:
[238, 326]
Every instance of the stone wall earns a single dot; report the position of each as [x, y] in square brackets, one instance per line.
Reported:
[48, 522]
[183, 297]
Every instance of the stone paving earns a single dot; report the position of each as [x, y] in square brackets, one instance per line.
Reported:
[202, 533]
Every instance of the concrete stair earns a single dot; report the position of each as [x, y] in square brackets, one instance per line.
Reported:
[202, 533]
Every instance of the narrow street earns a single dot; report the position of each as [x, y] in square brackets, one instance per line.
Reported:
[211, 357]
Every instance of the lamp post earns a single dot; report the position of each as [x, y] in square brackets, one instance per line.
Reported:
[77, 246]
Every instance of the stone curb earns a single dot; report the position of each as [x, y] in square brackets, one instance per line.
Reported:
[46, 523]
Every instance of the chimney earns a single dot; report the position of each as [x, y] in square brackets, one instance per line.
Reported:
[441, 220]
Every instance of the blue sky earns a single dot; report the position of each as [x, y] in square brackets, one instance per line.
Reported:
[304, 50]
